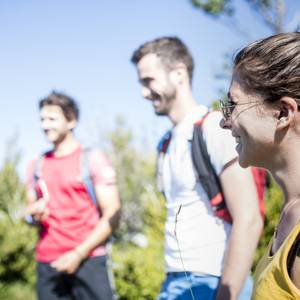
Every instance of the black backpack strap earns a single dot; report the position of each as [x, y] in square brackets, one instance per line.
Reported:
[206, 172]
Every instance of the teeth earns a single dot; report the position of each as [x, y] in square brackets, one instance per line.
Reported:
[237, 139]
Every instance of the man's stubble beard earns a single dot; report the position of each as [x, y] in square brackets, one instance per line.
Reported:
[168, 99]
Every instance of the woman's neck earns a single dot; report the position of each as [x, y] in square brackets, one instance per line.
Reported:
[286, 172]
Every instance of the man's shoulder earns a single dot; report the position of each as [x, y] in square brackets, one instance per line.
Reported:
[93, 152]
[96, 159]
[36, 158]
[212, 118]
[163, 141]
[211, 125]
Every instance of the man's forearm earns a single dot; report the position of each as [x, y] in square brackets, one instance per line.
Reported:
[99, 235]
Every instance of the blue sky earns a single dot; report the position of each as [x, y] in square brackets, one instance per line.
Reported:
[83, 48]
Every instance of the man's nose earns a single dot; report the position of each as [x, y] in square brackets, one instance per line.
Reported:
[45, 124]
[146, 92]
[225, 123]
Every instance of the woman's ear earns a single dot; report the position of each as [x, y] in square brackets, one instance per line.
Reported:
[287, 110]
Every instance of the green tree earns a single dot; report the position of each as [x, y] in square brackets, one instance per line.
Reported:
[17, 239]
[135, 174]
[271, 12]
[138, 247]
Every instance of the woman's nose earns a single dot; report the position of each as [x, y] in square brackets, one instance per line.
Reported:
[225, 123]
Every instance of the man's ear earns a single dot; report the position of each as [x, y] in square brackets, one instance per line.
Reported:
[72, 124]
[287, 110]
[179, 74]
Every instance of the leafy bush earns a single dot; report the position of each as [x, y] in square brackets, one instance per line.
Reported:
[139, 271]
[136, 178]
[17, 239]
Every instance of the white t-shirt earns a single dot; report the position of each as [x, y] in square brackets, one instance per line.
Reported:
[201, 237]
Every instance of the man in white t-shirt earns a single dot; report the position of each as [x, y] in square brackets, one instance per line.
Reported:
[207, 258]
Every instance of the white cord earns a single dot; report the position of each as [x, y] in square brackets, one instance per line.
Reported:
[181, 259]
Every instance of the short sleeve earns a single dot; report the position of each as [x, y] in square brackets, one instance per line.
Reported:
[101, 168]
[220, 143]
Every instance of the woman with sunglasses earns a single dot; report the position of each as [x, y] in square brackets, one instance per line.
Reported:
[263, 113]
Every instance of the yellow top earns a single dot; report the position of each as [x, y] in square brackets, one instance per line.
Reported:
[271, 278]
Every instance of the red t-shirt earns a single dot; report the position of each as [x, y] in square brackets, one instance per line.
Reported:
[72, 213]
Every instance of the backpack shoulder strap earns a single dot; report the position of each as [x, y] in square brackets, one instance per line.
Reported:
[37, 172]
[206, 172]
[86, 173]
[164, 142]
[210, 180]
[162, 148]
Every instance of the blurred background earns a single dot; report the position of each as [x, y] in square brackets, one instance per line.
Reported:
[83, 48]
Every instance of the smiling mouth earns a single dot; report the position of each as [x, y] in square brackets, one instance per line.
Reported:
[156, 102]
[47, 132]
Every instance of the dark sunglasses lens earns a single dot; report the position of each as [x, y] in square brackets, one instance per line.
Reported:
[226, 109]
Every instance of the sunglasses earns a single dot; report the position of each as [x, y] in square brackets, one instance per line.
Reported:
[228, 106]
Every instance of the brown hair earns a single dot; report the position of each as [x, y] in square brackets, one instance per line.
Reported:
[271, 66]
[66, 103]
[171, 50]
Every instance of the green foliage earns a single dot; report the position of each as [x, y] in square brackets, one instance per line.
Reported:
[17, 245]
[273, 203]
[136, 173]
[139, 271]
[214, 7]
[17, 239]
[271, 12]
[215, 105]
[17, 291]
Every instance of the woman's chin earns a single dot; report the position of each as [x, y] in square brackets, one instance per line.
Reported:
[243, 162]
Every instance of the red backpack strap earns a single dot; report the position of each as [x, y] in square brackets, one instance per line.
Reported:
[201, 121]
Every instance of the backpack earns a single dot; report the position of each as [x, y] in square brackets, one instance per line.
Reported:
[207, 174]
[85, 172]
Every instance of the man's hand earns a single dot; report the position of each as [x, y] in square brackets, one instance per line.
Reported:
[38, 210]
[68, 262]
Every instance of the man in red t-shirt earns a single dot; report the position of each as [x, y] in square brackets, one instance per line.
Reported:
[71, 254]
